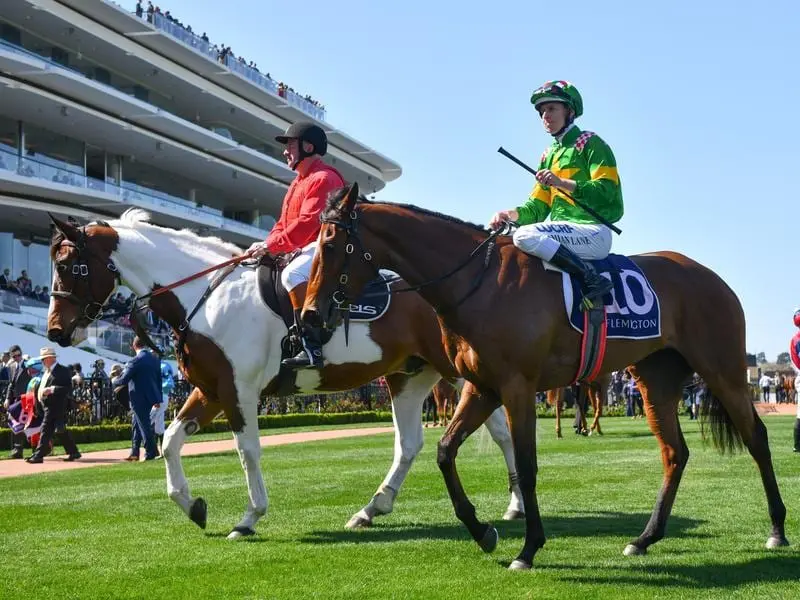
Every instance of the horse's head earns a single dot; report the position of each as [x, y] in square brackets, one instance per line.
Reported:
[84, 277]
[342, 265]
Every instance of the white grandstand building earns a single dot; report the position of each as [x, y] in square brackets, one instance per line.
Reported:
[102, 110]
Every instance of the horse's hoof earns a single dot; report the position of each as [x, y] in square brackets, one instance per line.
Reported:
[357, 522]
[519, 565]
[199, 512]
[633, 550]
[489, 541]
[776, 542]
[240, 532]
[513, 515]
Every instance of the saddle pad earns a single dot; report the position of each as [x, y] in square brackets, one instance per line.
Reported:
[374, 301]
[633, 311]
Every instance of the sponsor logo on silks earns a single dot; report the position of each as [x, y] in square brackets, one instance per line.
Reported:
[554, 228]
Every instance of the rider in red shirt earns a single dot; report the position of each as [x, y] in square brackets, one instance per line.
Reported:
[299, 225]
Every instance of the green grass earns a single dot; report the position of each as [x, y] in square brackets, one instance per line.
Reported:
[112, 532]
[203, 437]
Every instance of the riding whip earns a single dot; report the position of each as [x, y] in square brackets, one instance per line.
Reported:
[578, 203]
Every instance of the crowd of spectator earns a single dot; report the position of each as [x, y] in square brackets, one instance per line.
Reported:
[222, 51]
[21, 289]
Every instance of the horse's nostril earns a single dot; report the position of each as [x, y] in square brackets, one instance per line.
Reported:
[54, 334]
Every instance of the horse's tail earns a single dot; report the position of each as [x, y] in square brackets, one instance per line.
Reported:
[724, 434]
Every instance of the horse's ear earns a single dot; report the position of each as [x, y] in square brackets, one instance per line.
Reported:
[351, 198]
[69, 231]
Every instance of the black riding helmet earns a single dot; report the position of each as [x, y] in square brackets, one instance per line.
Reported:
[305, 131]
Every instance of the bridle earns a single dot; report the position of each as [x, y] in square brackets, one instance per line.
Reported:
[92, 309]
[353, 242]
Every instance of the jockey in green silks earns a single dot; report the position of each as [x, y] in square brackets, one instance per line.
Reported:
[581, 164]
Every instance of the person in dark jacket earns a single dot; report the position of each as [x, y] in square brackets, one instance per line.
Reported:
[18, 384]
[142, 375]
[54, 392]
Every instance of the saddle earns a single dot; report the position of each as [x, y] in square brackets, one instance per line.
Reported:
[370, 306]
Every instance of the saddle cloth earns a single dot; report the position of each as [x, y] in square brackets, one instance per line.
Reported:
[633, 311]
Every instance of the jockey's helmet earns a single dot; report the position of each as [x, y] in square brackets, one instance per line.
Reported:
[306, 132]
[797, 317]
[558, 91]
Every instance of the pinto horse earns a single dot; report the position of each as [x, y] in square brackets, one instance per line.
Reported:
[232, 350]
[505, 331]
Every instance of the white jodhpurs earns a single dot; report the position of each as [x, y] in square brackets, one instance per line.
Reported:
[299, 270]
[588, 241]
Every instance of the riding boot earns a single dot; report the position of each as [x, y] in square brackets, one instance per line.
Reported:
[311, 353]
[593, 285]
[797, 434]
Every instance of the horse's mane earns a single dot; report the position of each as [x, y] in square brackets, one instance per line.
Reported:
[336, 197]
[138, 220]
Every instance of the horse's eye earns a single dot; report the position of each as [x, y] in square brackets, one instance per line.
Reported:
[61, 267]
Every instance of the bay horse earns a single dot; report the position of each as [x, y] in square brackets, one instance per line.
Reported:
[505, 331]
[233, 349]
[596, 392]
[445, 397]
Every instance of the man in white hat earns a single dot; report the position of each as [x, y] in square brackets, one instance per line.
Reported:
[53, 392]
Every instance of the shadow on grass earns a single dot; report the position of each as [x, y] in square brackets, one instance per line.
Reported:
[778, 567]
[581, 525]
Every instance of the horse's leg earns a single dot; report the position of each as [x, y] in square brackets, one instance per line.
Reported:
[660, 378]
[521, 411]
[596, 396]
[408, 394]
[471, 412]
[248, 445]
[731, 408]
[497, 424]
[554, 398]
[195, 413]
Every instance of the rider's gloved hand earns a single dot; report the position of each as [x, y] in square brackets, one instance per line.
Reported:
[502, 217]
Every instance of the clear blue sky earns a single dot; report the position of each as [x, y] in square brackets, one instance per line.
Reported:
[697, 100]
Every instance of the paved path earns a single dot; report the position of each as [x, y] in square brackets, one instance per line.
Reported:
[775, 409]
[14, 468]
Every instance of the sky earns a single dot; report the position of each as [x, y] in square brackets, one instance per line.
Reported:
[695, 98]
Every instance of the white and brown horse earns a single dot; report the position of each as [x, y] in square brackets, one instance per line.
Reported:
[233, 348]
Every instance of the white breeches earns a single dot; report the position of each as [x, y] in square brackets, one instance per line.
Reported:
[299, 270]
[588, 241]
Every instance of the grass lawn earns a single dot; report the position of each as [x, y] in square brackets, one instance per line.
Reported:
[113, 533]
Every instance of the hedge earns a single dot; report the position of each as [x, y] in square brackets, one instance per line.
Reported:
[110, 432]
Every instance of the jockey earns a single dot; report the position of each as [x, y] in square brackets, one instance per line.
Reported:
[299, 225]
[794, 346]
[581, 164]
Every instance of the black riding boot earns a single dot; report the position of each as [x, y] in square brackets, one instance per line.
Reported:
[311, 353]
[797, 433]
[593, 285]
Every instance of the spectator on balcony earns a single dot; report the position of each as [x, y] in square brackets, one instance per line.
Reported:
[139, 9]
[5, 279]
[44, 295]
[24, 283]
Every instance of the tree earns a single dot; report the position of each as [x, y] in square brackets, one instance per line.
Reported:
[783, 358]
[761, 358]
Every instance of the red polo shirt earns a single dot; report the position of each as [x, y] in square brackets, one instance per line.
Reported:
[299, 223]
